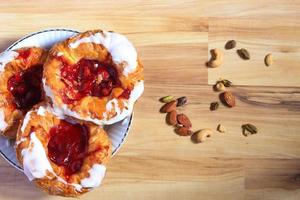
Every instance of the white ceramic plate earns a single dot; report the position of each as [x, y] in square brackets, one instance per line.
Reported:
[47, 38]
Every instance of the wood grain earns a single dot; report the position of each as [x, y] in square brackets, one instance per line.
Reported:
[259, 37]
[173, 39]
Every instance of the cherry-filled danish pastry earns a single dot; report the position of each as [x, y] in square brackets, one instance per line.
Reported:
[94, 76]
[20, 85]
[62, 156]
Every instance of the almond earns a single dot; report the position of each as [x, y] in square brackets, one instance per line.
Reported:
[183, 131]
[168, 107]
[228, 99]
[184, 120]
[172, 118]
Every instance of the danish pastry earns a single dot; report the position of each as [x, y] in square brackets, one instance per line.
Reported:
[62, 156]
[20, 85]
[94, 76]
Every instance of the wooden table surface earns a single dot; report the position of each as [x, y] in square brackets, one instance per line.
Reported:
[173, 39]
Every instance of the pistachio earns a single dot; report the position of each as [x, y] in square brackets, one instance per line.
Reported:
[249, 129]
[230, 44]
[226, 82]
[243, 53]
[166, 99]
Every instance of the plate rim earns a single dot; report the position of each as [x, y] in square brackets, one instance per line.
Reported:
[66, 30]
[36, 33]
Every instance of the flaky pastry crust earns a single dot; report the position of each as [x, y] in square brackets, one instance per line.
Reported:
[89, 106]
[99, 151]
[12, 115]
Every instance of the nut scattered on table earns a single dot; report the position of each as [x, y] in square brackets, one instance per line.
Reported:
[181, 101]
[168, 107]
[225, 82]
[202, 135]
[269, 60]
[230, 44]
[214, 106]
[228, 99]
[172, 118]
[184, 120]
[243, 53]
[166, 99]
[183, 131]
[220, 87]
[180, 122]
[249, 129]
[216, 59]
[221, 128]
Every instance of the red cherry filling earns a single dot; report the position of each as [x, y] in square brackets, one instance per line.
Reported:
[68, 146]
[25, 87]
[24, 54]
[88, 78]
[126, 94]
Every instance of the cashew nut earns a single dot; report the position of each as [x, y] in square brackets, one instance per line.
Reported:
[216, 58]
[202, 135]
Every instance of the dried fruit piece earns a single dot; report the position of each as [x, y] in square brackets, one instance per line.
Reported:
[221, 128]
[181, 101]
[228, 99]
[216, 58]
[219, 87]
[243, 53]
[166, 99]
[171, 118]
[202, 135]
[183, 131]
[184, 120]
[168, 107]
[230, 44]
[214, 106]
[269, 59]
[249, 129]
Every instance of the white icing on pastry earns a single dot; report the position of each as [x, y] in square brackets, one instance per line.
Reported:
[120, 49]
[48, 90]
[25, 121]
[35, 162]
[6, 57]
[113, 104]
[78, 187]
[134, 95]
[47, 108]
[3, 123]
[41, 111]
[97, 173]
